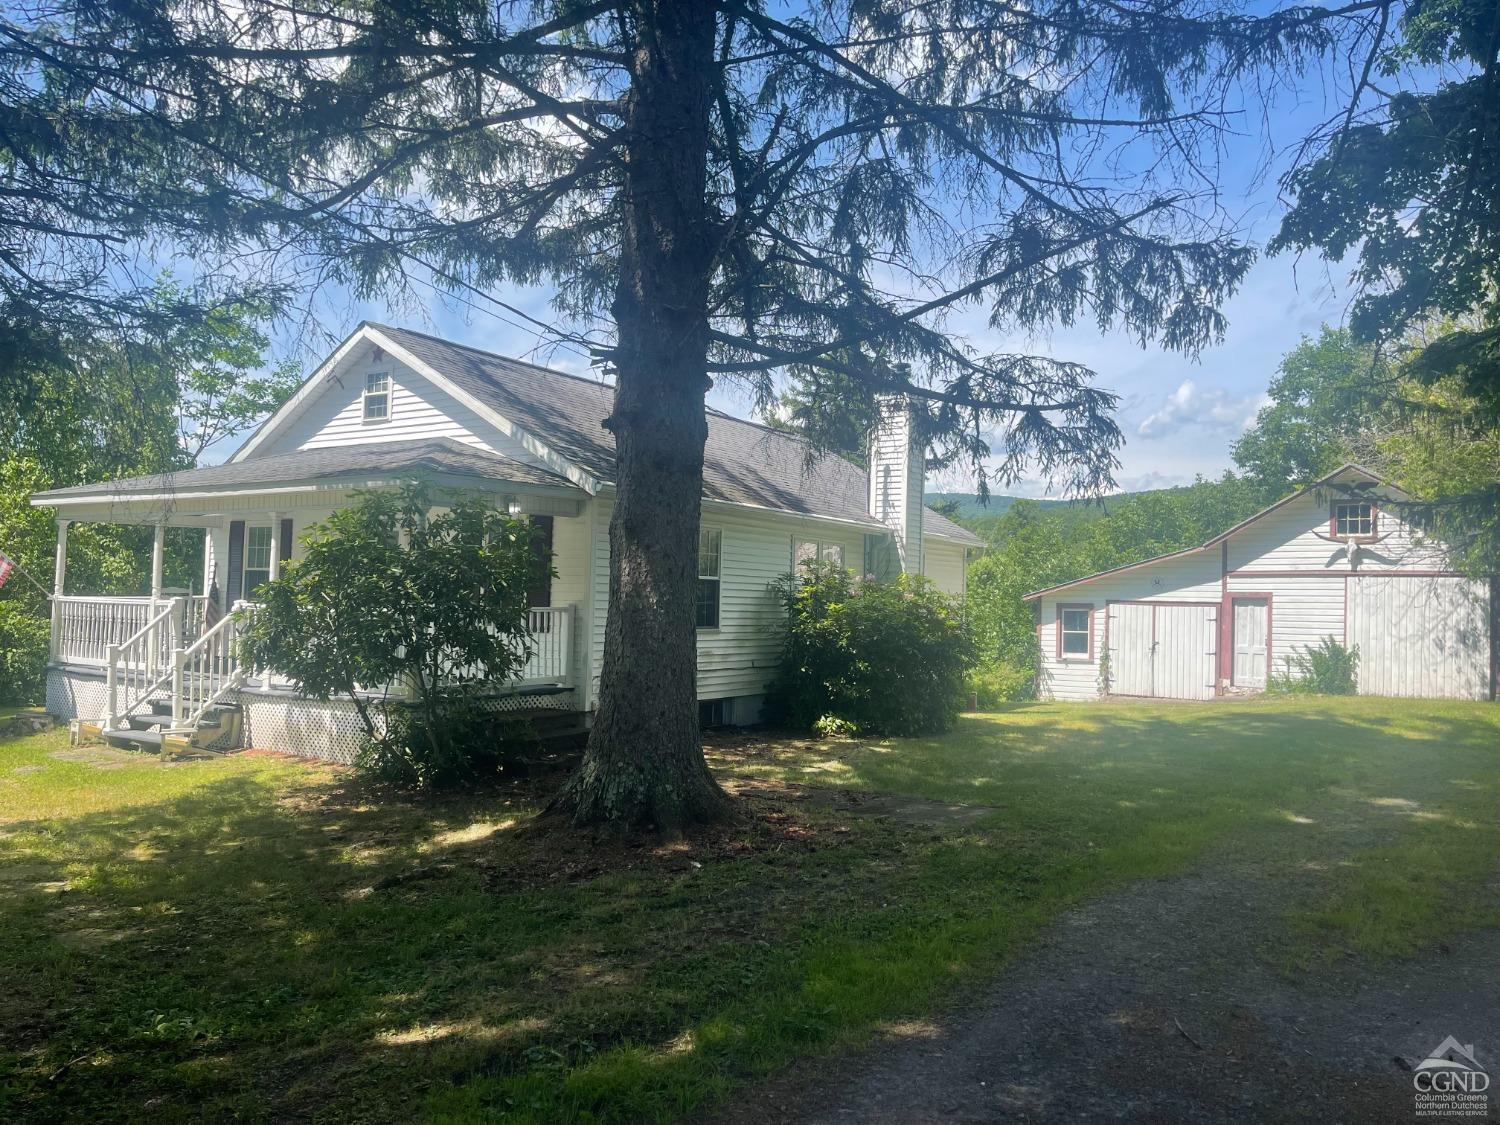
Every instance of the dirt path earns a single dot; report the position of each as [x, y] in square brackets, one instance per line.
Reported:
[1151, 1005]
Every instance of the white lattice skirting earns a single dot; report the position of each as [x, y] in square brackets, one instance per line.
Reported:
[332, 731]
[307, 727]
[76, 695]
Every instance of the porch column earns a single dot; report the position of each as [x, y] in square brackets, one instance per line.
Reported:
[209, 568]
[158, 548]
[275, 573]
[59, 576]
[275, 546]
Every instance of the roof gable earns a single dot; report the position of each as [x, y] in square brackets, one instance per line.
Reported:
[559, 418]
[1350, 474]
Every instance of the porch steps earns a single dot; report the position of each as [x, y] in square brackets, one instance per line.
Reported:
[218, 731]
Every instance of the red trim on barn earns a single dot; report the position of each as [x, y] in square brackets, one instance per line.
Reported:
[1346, 574]
[1158, 601]
[1223, 536]
[1226, 634]
[1333, 521]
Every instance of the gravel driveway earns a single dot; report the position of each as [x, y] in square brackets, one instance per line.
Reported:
[1152, 1005]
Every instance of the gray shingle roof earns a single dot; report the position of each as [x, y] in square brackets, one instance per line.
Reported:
[744, 463]
[431, 455]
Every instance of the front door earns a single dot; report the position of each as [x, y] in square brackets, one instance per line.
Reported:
[1252, 633]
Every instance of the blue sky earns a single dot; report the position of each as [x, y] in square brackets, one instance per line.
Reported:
[1179, 414]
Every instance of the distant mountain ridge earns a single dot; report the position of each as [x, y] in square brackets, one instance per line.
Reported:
[969, 506]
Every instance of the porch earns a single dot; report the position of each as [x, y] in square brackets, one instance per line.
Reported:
[186, 651]
[172, 658]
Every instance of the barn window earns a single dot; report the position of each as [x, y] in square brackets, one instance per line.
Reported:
[1075, 634]
[377, 398]
[1354, 519]
[710, 544]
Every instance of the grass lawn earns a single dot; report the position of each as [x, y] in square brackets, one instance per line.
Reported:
[269, 939]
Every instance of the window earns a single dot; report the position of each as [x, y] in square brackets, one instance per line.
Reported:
[710, 543]
[1075, 633]
[806, 550]
[377, 396]
[257, 568]
[712, 713]
[539, 596]
[1354, 519]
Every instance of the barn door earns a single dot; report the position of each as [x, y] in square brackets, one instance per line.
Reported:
[1184, 663]
[1252, 633]
[1132, 643]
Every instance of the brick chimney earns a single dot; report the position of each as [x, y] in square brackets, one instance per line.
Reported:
[897, 464]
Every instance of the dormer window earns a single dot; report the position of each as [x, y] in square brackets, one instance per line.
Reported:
[1354, 520]
[377, 397]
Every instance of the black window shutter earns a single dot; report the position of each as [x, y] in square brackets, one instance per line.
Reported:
[540, 595]
[286, 542]
[235, 578]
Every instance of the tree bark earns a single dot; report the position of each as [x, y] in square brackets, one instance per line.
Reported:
[644, 766]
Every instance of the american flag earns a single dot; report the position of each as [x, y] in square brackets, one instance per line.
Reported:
[6, 567]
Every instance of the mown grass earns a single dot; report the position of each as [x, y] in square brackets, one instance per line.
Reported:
[238, 938]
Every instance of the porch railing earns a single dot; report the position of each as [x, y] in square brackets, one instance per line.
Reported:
[86, 627]
[141, 665]
[150, 648]
[210, 668]
[550, 629]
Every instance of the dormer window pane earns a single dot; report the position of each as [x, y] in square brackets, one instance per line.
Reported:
[377, 396]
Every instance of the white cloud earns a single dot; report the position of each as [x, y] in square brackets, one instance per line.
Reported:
[1214, 409]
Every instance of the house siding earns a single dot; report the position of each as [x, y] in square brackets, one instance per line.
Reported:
[740, 657]
[944, 563]
[419, 409]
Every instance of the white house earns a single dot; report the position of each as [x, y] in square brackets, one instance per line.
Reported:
[1333, 560]
[391, 405]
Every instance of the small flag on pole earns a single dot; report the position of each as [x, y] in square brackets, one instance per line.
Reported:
[6, 567]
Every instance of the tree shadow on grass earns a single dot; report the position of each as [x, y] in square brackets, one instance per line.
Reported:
[243, 951]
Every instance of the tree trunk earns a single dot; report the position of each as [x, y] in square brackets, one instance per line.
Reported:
[644, 765]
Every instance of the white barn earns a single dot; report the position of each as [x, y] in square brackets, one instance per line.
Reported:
[1333, 560]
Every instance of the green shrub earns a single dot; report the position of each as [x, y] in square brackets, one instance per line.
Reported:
[1003, 682]
[872, 657]
[411, 614]
[467, 745]
[1327, 668]
[25, 643]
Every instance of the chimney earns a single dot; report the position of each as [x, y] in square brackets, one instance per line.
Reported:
[897, 477]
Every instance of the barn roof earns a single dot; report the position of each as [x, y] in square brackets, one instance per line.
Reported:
[1321, 482]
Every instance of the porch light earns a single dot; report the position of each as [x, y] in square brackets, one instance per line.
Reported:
[513, 505]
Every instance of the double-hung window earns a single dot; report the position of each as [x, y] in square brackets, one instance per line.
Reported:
[257, 569]
[1075, 634]
[377, 397]
[805, 551]
[710, 563]
[1354, 519]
